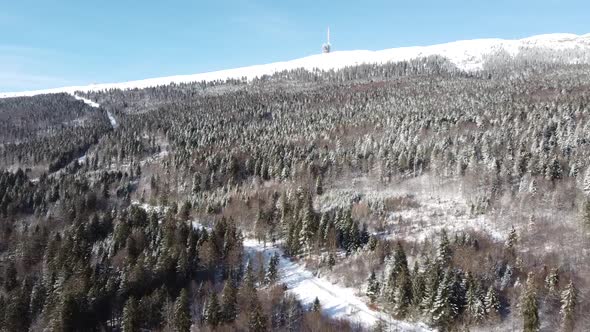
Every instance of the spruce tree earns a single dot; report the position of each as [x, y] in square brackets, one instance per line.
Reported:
[586, 213]
[316, 306]
[212, 314]
[403, 294]
[182, 315]
[272, 274]
[229, 302]
[529, 306]
[492, 303]
[373, 287]
[319, 188]
[444, 253]
[552, 281]
[512, 241]
[130, 315]
[475, 303]
[443, 309]
[586, 184]
[569, 301]
[418, 286]
[257, 321]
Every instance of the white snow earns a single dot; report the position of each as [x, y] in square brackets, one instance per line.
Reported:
[467, 54]
[337, 302]
[86, 101]
[112, 119]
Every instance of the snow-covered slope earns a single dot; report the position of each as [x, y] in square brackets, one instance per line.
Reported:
[337, 302]
[467, 55]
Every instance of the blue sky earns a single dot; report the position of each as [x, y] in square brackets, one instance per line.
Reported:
[46, 44]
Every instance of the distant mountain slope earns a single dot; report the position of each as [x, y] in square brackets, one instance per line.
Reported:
[468, 55]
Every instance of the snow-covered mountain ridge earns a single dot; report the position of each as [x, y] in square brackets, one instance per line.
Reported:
[468, 55]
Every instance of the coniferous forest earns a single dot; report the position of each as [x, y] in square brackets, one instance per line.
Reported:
[446, 199]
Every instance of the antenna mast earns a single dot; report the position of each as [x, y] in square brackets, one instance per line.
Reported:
[327, 47]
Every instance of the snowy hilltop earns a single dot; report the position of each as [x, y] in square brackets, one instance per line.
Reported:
[469, 55]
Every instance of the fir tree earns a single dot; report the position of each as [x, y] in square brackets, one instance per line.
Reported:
[569, 301]
[182, 315]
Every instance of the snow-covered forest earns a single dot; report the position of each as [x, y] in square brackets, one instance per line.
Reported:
[402, 196]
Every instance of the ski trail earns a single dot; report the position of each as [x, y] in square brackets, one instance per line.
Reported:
[336, 301]
[89, 102]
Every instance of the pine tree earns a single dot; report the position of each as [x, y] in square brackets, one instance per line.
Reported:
[373, 287]
[229, 302]
[529, 306]
[130, 315]
[569, 301]
[316, 306]
[182, 315]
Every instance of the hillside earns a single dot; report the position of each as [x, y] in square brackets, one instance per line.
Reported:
[446, 189]
[468, 55]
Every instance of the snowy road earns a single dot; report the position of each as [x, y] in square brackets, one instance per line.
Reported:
[337, 302]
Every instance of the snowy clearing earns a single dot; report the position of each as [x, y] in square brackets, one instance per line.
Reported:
[337, 302]
[468, 55]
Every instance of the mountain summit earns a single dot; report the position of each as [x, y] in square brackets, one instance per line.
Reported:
[468, 55]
